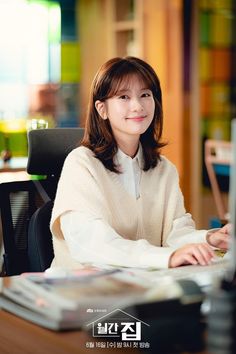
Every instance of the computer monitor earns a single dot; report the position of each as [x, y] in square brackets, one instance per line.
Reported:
[221, 321]
[232, 207]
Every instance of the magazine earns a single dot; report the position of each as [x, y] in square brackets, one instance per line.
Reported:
[68, 302]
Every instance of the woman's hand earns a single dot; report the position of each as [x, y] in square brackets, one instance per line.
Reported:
[220, 238]
[194, 253]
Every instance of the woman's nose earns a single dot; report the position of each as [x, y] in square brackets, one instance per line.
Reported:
[136, 105]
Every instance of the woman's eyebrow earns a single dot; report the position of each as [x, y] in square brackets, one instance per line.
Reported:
[120, 91]
[125, 90]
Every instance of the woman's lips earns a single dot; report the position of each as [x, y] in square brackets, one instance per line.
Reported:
[137, 119]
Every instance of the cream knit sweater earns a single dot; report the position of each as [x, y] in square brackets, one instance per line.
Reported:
[86, 186]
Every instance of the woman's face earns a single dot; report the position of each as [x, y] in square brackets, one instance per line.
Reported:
[130, 111]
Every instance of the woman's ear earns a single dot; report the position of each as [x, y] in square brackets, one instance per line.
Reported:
[101, 109]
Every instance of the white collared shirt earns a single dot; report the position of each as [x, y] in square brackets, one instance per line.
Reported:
[131, 171]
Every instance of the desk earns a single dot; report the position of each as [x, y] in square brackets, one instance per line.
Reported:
[14, 171]
[21, 337]
[15, 164]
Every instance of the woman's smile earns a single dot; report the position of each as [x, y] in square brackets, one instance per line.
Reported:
[137, 119]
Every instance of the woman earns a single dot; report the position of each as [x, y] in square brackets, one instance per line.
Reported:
[118, 199]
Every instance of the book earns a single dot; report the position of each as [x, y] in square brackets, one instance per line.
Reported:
[70, 301]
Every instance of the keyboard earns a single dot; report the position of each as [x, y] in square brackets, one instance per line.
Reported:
[204, 276]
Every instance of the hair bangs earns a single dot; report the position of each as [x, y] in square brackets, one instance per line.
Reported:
[121, 80]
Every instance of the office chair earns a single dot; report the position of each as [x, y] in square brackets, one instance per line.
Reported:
[47, 150]
[40, 248]
[218, 158]
[26, 205]
[18, 202]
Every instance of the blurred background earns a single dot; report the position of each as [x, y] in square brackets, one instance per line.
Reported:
[50, 51]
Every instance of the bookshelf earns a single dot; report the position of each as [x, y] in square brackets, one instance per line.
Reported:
[126, 27]
[216, 45]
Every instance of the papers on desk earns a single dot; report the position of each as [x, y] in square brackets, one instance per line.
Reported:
[69, 302]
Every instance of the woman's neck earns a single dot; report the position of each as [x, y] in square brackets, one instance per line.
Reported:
[129, 149]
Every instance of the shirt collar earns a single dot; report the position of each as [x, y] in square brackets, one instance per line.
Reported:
[121, 157]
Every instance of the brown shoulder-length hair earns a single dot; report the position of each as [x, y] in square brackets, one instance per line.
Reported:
[98, 134]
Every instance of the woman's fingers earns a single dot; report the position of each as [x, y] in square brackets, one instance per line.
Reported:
[220, 238]
[190, 259]
[226, 229]
[203, 254]
[198, 253]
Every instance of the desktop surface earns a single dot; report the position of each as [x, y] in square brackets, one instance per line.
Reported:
[19, 337]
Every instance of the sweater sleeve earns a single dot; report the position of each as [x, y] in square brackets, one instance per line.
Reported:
[184, 232]
[92, 240]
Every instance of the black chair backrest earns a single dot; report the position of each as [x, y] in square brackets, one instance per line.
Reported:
[40, 248]
[25, 212]
[48, 148]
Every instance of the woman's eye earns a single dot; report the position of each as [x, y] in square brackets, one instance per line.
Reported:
[146, 94]
[123, 97]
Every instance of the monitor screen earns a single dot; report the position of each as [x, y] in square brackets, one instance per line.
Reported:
[232, 205]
